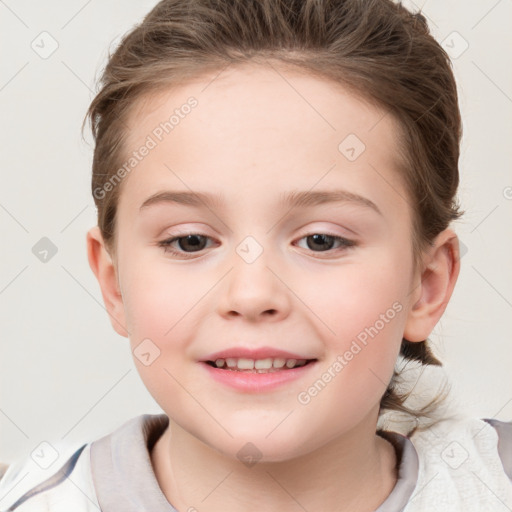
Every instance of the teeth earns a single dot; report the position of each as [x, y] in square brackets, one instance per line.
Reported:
[260, 365]
[245, 364]
[279, 363]
[263, 364]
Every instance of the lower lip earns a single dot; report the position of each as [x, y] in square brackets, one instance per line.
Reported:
[257, 382]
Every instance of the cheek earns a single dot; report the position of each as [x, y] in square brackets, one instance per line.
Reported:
[358, 294]
[160, 307]
[157, 297]
[355, 375]
[364, 307]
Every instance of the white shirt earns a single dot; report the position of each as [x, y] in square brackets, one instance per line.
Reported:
[459, 464]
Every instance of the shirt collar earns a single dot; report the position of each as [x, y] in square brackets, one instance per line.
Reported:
[121, 467]
[124, 478]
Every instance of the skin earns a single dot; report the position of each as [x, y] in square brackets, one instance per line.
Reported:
[251, 138]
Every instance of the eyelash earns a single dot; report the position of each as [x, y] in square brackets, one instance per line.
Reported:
[166, 244]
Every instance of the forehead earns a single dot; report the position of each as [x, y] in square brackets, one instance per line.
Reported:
[256, 127]
[257, 93]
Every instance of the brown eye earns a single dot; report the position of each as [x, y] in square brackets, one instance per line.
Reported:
[323, 242]
[192, 242]
[185, 244]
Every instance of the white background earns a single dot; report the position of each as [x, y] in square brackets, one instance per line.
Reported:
[65, 375]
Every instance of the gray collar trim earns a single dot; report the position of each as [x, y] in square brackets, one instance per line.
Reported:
[124, 479]
[408, 469]
[121, 467]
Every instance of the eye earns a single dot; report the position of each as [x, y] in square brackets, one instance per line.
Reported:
[186, 244]
[325, 242]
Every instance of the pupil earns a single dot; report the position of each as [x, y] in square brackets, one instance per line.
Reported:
[193, 240]
[321, 240]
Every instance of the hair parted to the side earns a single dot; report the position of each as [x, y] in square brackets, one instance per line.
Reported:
[375, 48]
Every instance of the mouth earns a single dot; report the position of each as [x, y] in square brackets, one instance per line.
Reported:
[267, 365]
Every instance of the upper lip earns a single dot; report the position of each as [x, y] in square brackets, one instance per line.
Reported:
[254, 353]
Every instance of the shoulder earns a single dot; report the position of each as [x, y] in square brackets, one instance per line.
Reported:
[464, 464]
[29, 486]
[504, 446]
[78, 478]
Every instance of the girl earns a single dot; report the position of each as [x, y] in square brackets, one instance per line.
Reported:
[275, 183]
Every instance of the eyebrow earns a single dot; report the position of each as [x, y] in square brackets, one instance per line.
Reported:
[294, 199]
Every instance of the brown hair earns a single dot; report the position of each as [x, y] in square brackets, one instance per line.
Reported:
[375, 48]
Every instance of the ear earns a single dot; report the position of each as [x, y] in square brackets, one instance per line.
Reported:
[433, 286]
[105, 271]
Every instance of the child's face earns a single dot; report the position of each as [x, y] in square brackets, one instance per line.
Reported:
[253, 137]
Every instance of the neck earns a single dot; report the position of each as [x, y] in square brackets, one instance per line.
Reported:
[355, 471]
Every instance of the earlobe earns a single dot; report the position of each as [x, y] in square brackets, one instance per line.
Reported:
[434, 287]
[104, 269]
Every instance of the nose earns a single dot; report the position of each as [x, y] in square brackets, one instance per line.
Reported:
[254, 291]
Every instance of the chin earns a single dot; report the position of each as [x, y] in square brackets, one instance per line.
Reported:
[255, 447]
